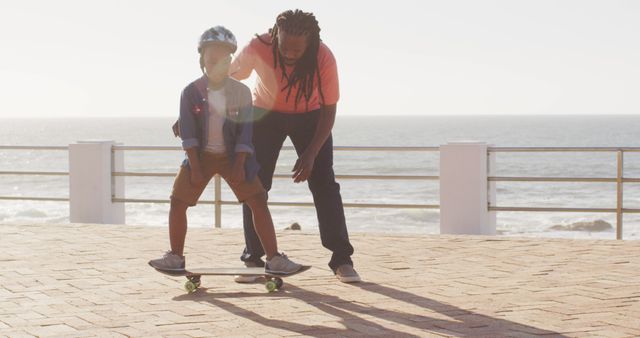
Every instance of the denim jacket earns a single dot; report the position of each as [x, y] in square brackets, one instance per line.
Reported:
[237, 128]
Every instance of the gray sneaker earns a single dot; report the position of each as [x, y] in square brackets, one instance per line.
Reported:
[168, 262]
[347, 274]
[281, 265]
[248, 279]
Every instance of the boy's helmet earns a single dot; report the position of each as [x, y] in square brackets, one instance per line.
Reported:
[218, 35]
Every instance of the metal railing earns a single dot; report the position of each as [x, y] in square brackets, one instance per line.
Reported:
[34, 173]
[218, 202]
[619, 180]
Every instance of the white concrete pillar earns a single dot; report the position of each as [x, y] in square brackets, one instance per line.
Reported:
[465, 193]
[91, 187]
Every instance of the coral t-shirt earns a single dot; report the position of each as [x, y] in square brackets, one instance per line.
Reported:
[268, 92]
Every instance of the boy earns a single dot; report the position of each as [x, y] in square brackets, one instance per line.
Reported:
[216, 131]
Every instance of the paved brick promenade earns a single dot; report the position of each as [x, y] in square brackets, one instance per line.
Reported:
[93, 280]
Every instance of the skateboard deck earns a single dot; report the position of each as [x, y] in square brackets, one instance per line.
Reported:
[273, 282]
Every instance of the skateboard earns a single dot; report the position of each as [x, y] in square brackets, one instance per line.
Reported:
[273, 281]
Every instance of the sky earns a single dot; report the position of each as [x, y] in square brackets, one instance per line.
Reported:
[118, 58]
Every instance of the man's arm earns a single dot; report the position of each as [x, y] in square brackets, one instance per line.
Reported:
[243, 64]
[304, 164]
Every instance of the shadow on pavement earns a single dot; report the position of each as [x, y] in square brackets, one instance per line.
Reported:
[462, 323]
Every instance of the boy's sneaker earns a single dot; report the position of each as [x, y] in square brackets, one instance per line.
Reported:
[168, 262]
[281, 265]
[347, 274]
[249, 279]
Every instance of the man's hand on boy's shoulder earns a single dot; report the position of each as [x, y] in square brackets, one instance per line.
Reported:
[176, 128]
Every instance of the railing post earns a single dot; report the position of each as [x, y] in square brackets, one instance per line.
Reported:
[464, 189]
[218, 200]
[619, 199]
[91, 186]
[491, 187]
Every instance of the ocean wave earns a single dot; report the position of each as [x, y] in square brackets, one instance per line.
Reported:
[589, 226]
[31, 213]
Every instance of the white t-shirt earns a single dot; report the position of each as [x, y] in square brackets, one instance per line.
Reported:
[217, 111]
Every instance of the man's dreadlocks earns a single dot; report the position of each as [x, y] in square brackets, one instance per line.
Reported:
[298, 23]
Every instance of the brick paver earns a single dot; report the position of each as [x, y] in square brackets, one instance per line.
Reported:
[93, 280]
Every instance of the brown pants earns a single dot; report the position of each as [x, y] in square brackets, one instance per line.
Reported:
[212, 164]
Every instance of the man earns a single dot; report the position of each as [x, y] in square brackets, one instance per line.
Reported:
[296, 95]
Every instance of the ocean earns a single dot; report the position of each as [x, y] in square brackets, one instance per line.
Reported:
[502, 131]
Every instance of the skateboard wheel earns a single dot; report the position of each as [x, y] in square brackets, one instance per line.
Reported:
[279, 282]
[270, 285]
[195, 280]
[190, 286]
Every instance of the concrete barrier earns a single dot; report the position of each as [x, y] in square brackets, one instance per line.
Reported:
[91, 185]
[465, 192]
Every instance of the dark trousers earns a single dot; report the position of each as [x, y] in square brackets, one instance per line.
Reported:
[269, 133]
